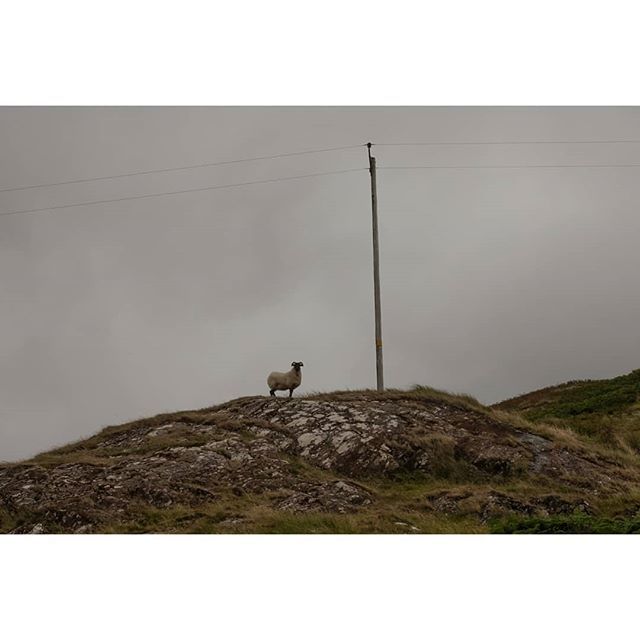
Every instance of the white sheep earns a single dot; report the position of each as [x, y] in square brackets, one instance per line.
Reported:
[282, 381]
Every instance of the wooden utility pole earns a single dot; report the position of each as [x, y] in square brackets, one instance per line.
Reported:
[376, 270]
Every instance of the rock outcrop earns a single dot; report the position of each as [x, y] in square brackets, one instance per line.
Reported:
[317, 454]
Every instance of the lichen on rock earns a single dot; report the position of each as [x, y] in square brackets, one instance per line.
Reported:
[303, 455]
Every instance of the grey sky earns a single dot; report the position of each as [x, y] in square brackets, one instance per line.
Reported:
[494, 282]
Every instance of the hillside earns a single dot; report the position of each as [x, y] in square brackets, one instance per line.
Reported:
[360, 461]
[605, 411]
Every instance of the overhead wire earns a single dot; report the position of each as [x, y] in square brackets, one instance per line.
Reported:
[171, 193]
[311, 175]
[306, 152]
[498, 142]
[511, 166]
[181, 168]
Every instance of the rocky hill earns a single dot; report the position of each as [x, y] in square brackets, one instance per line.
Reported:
[391, 462]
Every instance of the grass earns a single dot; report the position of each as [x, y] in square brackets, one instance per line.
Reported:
[367, 523]
[579, 397]
[185, 433]
[399, 506]
[399, 503]
[250, 514]
[8, 520]
[613, 438]
[578, 523]
[416, 393]
[606, 412]
[564, 437]
[459, 399]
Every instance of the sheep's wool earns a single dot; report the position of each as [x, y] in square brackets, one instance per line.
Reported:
[284, 381]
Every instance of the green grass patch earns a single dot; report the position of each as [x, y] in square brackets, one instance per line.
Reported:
[578, 397]
[605, 412]
[578, 523]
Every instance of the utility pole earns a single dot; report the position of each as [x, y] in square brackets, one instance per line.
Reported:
[376, 269]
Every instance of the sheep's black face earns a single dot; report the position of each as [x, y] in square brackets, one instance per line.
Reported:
[297, 365]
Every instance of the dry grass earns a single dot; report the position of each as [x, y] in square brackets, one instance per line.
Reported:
[398, 507]
[416, 393]
[254, 514]
[184, 433]
[399, 504]
[566, 438]
[606, 412]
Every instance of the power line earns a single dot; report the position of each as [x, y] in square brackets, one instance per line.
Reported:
[307, 152]
[513, 166]
[182, 168]
[172, 193]
[501, 142]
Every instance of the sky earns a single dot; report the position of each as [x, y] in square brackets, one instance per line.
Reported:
[494, 281]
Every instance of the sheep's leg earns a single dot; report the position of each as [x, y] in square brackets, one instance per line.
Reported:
[272, 392]
[290, 392]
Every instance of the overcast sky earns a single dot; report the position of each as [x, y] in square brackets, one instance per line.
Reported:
[494, 282]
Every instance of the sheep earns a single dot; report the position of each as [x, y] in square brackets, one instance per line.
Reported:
[283, 381]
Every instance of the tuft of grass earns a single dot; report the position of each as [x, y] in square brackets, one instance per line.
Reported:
[460, 399]
[81, 456]
[418, 393]
[7, 520]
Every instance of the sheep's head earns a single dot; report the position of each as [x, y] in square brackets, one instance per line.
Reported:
[297, 365]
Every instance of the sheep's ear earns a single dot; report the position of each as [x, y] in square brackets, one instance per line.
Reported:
[293, 364]
[300, 363]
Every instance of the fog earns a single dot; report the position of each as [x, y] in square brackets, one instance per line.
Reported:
[494, 281]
